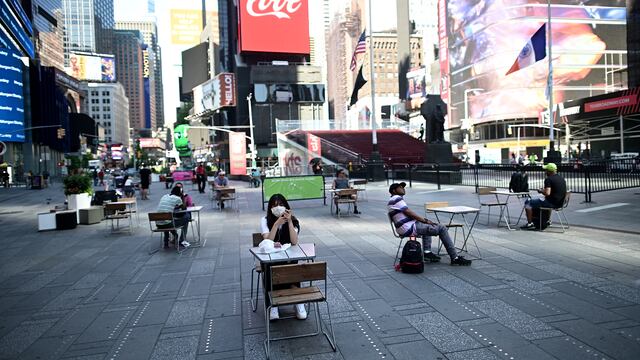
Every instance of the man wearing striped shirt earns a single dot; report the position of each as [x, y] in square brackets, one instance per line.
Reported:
[408, 223]
[170, 203]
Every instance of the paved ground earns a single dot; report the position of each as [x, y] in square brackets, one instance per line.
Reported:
[86, 294]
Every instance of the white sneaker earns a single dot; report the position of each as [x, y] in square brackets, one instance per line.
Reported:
[301, 312]
[185, 243]
[274, 314]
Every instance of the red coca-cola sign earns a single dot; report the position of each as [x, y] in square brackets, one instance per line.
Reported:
[279, 26]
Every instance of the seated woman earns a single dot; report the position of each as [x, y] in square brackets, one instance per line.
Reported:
[128, 189]
[342, 182]
[280, 226]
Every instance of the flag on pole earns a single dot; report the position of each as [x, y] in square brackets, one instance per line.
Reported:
[361, 47]
[360, 81]
[534, 51]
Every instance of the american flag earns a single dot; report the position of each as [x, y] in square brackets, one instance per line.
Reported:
[361, 47]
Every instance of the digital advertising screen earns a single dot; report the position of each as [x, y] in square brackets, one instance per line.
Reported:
[92, 67]
[484, 38]
[11, 97]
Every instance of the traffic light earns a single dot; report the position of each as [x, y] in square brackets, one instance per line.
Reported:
[61, 133]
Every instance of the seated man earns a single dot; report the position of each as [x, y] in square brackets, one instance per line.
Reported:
[170, 203]
[220, 182]
[255, 177]
[554, 191]
[408, 223]
[342, 182]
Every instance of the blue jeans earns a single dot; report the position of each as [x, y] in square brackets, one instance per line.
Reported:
[428, 230]
[538, 203]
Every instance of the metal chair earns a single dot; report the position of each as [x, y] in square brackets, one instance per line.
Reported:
[361, 185]
[257, 269]
[153, 226]
[436, 204]
[486, 191]
[116, 212]
[299, 273]
[344, 196]
[395, 233]
[559, 211]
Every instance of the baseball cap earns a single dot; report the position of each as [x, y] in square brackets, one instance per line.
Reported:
[393, 186]
[550, 167]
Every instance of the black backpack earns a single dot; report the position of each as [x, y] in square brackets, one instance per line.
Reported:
[412, 261]
[519, 182]
[541, 218]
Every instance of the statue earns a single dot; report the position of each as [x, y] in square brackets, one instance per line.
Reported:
[434, 110]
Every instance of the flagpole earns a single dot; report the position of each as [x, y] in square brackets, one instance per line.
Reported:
[374, 135]
[550, 78]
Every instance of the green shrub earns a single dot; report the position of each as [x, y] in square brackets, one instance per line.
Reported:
[77, 184]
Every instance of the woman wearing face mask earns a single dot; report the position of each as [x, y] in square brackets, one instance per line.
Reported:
[280, 226]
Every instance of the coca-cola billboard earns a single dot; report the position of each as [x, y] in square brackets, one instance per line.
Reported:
[278, 26]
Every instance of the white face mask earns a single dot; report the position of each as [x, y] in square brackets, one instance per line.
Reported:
[277, 211]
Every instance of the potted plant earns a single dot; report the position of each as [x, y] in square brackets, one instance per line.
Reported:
[78, 189]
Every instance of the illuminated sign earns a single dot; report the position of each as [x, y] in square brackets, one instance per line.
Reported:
[11, 97]
[238, 153]
[145, 64]
[186, 26]
[216, 93]
[15, 28]
[92, 67]
[277, 26]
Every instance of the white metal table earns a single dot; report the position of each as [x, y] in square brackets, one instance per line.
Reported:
[462, 211]
[294, 253]
[191, 210]
[505, 208]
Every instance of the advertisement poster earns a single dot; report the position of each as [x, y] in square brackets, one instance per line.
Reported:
[214, 94]
[238, 153]
[264, 25]
[11, 97]
[186, 26]
[93, 68]
[294, 187]
[314, 145]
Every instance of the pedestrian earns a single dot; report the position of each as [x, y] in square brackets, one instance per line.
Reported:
[94, 174]
[201, 178]
[101, 176]
[421, 137]
[145, 180]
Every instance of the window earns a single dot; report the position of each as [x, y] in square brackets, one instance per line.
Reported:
[106, 101]
[106, 108]
[94, 93]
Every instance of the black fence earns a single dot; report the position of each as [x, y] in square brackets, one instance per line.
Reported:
[581, 177]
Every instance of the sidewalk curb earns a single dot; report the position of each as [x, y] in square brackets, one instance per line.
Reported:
[606, 229]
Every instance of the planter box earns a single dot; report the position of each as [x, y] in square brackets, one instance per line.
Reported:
[78, 201]
[92, 215]
[46, 221]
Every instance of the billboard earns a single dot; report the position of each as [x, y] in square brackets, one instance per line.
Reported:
[274, 26]
[214, 94]
[92, 67]
[294, 187]
[151, 143]
[483, 39]
[314, 145]
[186, 26]
[11, 97]
[238, 153]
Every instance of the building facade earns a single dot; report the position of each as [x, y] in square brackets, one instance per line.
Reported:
[129, 62]
[87, 26]
[108, 105]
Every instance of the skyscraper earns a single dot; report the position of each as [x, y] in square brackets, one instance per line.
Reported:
[129, 62]
[149, 33]
[87, 26]
[48, 25]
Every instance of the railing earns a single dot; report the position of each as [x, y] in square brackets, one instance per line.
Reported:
[581, 177]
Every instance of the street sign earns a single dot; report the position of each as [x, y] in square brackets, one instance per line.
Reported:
[3, 148]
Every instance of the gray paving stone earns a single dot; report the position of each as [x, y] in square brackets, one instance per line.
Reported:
[521, 283]
[38, 299]
[47, 348]
[420, 349]
[67, 300]
[186, 313]
[504, 342]
[511, 317]
[456, 286]
[21, 337]
[452, 308]
[530, 304]
[357, 341]
[569, 274]
[529, 271]
[107, 326]
[591, 295]
[37, 282]
[176, 348]
[393, 292]
[196, 285]
[478, 354]
[202, 267]
[169, 282]
[90, 280]
[76, 321]
[356, 289]
[221, 335]
[223, 304]
[442, 333]
[583, 309]
[226, 275]
[622, 292]
[148, 274]
[137, 343]
[566, 347]
[133, 293]
[631, 333]
[605, 341]
[632, 312]
[102, 294]
[477, 278]
[379, 315]
[10, 322]
[365, 269]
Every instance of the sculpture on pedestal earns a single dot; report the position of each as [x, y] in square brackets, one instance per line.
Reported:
[434, 110]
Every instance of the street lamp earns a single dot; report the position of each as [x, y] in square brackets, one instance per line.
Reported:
[466, 117]
[253, 144]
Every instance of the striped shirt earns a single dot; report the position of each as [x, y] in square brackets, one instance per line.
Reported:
[405, 226]
[168, 203]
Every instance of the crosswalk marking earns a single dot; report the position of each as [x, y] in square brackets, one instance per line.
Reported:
[603, 207]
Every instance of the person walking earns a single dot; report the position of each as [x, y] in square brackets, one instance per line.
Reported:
[145, 180]
[201, 178]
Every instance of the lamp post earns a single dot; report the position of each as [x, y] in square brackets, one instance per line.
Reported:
[466, 117]
[253, 144]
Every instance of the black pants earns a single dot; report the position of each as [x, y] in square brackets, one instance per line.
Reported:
[182, 223]
[266, 277]
[201, 183]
